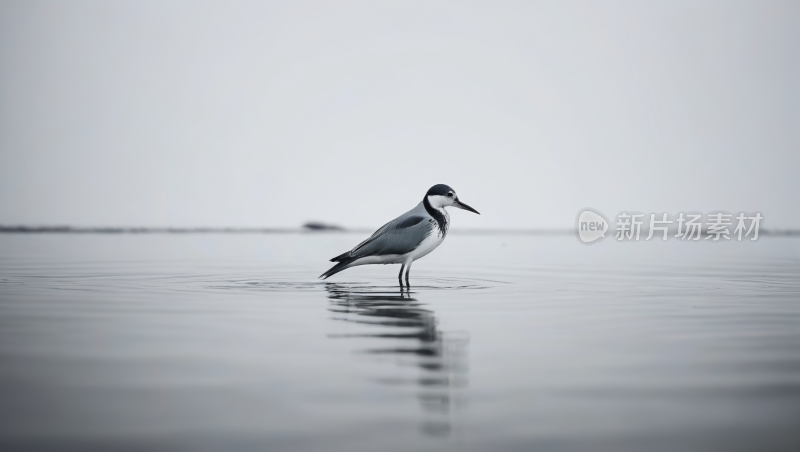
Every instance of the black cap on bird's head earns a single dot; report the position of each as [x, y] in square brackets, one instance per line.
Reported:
[441, 195]
[440, 189]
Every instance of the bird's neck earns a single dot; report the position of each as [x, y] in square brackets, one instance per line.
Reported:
[438, 214]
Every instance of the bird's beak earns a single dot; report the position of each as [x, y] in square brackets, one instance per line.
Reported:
[461, 205]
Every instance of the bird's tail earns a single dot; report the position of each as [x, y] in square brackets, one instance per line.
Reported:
[342, 265]
[342, 257]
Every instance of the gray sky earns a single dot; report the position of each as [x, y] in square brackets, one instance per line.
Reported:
[271, 114]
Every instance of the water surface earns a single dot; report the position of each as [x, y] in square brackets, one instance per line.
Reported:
[505, 342]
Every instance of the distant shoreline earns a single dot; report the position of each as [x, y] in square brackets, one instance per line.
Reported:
[303, 230]
[237, 230]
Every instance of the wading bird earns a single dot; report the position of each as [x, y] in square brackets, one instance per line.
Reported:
[406, 238]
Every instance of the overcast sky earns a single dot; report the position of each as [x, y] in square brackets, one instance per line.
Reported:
[168, 113]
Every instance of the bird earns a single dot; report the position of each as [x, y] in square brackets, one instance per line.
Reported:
[407, 238]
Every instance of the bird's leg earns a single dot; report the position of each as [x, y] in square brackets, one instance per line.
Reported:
[400, 275]
[408, 272]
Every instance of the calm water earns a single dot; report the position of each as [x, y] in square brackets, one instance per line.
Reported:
[506, 342]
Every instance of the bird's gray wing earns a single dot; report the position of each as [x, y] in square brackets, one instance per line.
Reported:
[399, 236]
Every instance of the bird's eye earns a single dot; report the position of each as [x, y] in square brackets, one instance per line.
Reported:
[450, 194]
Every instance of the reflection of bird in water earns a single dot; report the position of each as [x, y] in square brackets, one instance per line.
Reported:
[441, 356]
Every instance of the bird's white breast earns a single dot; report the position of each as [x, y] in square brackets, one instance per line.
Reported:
[434, 239]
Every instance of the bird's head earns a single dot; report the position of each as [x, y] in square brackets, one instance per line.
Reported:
[442, 195]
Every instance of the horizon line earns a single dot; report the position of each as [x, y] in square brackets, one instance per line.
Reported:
[308, 228]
